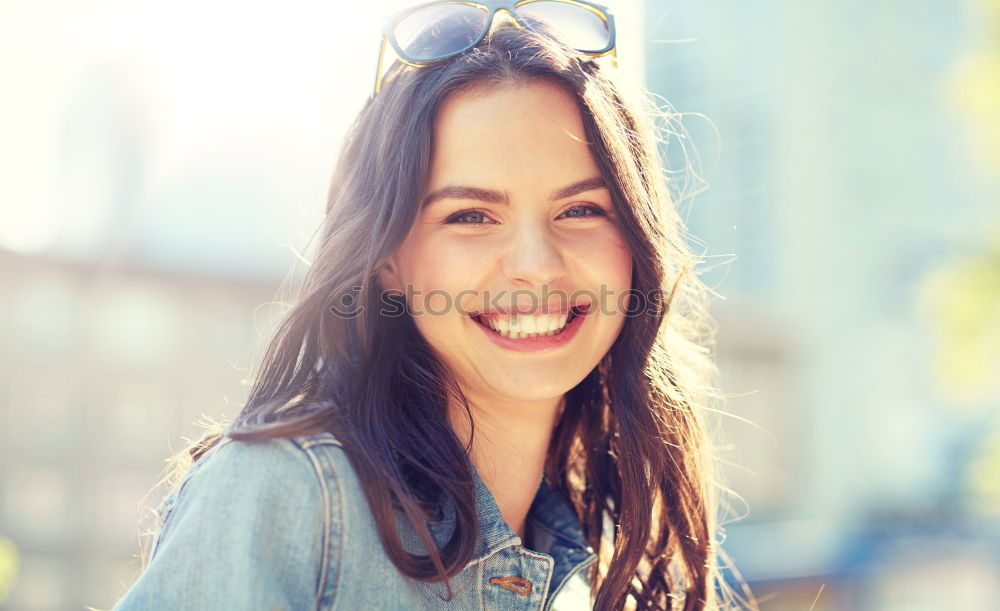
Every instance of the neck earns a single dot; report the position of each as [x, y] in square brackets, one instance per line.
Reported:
[509, 449]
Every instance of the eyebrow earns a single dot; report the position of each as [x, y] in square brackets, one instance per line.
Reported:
[497, 197]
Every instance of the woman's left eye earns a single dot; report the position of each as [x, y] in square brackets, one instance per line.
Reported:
[584, 211]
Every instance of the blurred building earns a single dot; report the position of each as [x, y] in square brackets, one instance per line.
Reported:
[840, 180]
[103, 372]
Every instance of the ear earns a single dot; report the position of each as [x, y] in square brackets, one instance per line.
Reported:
[388, 276]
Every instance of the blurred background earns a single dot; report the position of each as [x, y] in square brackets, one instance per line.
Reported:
[162, 165]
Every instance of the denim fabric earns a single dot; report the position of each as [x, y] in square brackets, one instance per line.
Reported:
[284, 524]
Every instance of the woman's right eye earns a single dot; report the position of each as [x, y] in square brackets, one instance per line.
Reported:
[468, 217]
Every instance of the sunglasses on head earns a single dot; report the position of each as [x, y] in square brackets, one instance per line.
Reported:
[433, 32]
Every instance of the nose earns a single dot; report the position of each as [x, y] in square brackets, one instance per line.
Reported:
[533, 257]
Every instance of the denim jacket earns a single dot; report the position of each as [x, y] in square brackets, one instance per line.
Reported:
[284, 524]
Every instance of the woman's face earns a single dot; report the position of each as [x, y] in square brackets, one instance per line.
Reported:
[515, 228]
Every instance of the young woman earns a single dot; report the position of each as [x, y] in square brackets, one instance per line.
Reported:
[488, 393]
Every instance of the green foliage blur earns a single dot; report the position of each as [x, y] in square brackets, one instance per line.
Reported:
[8, 566]
[960, 299]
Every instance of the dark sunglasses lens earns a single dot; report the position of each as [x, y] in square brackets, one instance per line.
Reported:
[574, 25]
[439, 30]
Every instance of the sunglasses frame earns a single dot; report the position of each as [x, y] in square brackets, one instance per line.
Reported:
[492, 8]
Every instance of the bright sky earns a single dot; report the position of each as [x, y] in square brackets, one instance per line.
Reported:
[108, 103]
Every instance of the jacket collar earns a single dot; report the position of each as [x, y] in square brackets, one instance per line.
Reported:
[555, 527]
[555, 531]
[552, 518]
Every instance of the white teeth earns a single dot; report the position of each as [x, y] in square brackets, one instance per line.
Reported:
[527, 325]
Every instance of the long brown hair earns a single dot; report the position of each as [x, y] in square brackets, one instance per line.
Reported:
[632, 446]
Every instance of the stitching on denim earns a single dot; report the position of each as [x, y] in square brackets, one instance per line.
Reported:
[549, 562]
[508, 542]
[163, 511]
[307, 444]
[325, 438]
[326, 519]
[482, 591]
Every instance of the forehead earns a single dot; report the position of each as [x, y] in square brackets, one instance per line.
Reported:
[532, 132]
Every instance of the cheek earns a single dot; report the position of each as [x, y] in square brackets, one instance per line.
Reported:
[604, 259]
[445, 262]
[437, 270]
[604, 263]
[425, 267]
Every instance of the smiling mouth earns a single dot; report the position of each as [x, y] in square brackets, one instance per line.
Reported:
[523, 326]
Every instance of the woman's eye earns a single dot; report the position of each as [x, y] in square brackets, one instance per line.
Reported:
[584, 211]
[468, 217]
[478, 217]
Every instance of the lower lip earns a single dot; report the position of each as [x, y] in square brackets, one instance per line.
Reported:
[541, 343]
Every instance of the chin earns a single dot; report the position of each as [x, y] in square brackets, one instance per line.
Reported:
[531, 386]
